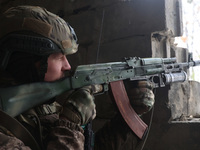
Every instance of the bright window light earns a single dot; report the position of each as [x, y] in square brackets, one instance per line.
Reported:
[191, 33]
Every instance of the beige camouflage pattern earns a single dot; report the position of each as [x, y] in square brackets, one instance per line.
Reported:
[10, 142]
[142, 97]
[83, 104]
[57, 134]
[40, 21]
[66, 135]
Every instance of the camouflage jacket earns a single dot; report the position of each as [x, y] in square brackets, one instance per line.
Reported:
[62, 134]
[52, 133]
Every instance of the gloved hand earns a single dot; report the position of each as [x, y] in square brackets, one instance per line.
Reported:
[80, 107]
[141, 97]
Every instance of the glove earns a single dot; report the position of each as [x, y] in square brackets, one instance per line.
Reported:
[79, 106]
[142, 97]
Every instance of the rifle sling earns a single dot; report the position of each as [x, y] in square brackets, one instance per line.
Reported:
[130, 116]
[18, 130]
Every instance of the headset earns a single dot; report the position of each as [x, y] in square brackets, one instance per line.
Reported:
[35, 45]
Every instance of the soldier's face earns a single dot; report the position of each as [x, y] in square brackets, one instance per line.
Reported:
[57, 65]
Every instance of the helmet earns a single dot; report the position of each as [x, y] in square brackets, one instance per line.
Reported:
[35, 30]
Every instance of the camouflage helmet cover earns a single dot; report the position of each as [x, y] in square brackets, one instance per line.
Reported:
[40, 21]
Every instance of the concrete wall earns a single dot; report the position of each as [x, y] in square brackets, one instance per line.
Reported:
[109, 30]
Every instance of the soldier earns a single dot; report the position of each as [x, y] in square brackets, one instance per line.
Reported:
[34, 47]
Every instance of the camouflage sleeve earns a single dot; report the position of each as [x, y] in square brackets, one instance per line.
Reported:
[10, 142]
[115, 135]
[66, 135]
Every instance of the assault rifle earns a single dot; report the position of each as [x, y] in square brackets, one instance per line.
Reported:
[160, 71]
